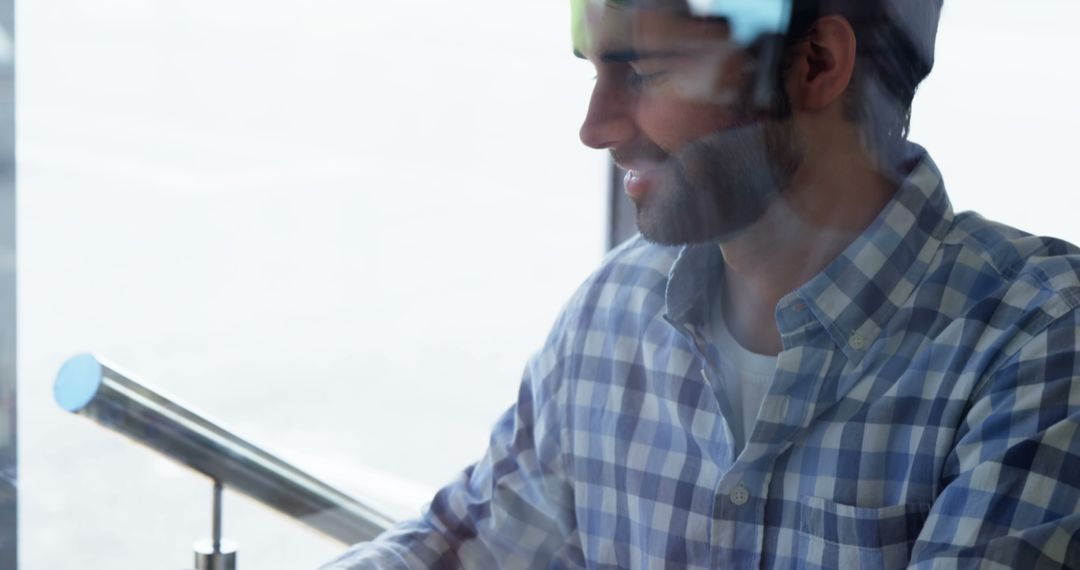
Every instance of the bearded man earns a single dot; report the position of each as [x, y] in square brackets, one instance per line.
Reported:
[805, 359]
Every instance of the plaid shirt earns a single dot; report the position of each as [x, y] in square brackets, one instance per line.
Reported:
[925, 411]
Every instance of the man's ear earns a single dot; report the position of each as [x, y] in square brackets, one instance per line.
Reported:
[823, 64]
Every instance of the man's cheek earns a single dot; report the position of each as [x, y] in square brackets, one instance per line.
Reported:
[714, 77]
[673, 126]
[685, 88]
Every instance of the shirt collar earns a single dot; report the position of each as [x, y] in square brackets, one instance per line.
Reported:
[859, 291]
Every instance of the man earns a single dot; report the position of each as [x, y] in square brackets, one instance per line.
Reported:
[806, 360]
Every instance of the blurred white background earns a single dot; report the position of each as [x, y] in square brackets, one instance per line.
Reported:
[341, 228]
[999, 113]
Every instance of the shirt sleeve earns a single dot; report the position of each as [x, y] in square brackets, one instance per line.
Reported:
[512, 509]
[1011, 494]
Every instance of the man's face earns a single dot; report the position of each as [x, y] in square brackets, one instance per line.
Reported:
[672, 103]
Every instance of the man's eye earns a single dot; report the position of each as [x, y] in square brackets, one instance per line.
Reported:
[642, 79]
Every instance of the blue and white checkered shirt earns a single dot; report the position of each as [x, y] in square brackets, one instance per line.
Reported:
[925, 411]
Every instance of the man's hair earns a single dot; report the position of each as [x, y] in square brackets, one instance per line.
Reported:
[894, 54]
[896, 41]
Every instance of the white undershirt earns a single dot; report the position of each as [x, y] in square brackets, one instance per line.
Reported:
[743, 377]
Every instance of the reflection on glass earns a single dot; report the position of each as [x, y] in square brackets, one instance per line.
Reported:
[806, 358]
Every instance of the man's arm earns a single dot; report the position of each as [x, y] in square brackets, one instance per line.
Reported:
[512, 509]
[1012, 493]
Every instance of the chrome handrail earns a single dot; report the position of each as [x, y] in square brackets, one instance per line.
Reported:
[89, 387]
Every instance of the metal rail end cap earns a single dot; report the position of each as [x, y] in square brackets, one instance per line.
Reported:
[77, 382]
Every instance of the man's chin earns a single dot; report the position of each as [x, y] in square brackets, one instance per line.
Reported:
[668, 226]
[669, 216]
[667, 236]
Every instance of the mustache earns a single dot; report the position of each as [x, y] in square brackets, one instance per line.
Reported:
[639, 153]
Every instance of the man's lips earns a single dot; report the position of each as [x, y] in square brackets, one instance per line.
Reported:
[639, 166]
[638, 182]
[642, 173]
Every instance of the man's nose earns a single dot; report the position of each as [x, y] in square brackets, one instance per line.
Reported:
[609, 121]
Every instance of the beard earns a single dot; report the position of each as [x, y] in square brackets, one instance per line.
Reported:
[717, 186]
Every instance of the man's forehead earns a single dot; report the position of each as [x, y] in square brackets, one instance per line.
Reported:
[619, 24]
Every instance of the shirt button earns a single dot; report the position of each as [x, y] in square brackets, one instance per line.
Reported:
[740, 495]
[857, 341]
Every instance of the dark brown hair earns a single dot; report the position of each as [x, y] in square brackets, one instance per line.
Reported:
[895, 53]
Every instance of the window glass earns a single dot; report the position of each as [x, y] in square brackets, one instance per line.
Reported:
[341, 228]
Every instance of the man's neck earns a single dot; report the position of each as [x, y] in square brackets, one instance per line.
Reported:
[808, 226]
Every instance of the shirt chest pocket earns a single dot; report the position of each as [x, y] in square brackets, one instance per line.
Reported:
[832, 535]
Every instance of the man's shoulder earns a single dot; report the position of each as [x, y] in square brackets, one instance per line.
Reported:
[1015, 275]
[1012, 254]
